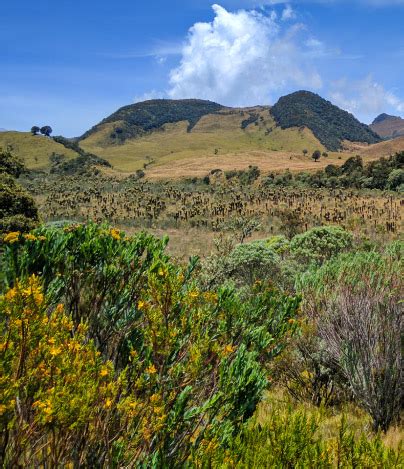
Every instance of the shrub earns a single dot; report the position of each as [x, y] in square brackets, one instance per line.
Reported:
[355, 303]
[184, 369]
[320, 244]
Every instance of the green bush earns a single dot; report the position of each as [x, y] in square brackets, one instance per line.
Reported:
[320, 244]
[188, 368]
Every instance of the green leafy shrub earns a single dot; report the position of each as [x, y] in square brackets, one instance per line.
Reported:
[184, 369]
[320, 244]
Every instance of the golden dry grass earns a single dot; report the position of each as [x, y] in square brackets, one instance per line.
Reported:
[219, 142]
[390, 147]
[218, 135]
[35, 151]
[330, 418]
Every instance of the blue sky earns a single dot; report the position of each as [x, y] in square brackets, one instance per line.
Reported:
[71, 63]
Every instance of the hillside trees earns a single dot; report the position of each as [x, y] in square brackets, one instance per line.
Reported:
[46, 130]
[316, 155]
[17, 208]
[329, 124]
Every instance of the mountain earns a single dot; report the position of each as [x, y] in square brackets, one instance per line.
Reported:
[197, 136]
[160, 132]
[137, 119]
[330, 124]
[388, 126]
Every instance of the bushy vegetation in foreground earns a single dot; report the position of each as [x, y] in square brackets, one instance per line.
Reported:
[112, 354]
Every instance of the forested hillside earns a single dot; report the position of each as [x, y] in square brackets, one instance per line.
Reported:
[330, 124]
[136, 119]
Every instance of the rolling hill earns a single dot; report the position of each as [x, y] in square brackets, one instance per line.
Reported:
[388, 126]
[224, 132]
[35, 151]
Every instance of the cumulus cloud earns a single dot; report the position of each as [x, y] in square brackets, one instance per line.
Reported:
[242, 58]
[365, 98]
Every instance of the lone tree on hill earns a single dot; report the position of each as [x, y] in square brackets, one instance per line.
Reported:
[46, 130]
[35, 130]
[316, 155]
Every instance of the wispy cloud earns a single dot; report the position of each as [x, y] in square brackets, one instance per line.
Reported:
[365, 98]
[158, 50]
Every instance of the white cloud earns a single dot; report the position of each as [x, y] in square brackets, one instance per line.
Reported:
[288, 13]
[242, 58]
[365, 98]
[376, 3]
[153, 94]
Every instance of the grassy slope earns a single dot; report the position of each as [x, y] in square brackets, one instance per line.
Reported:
[387, 148]
[221, 131]
[34, 150]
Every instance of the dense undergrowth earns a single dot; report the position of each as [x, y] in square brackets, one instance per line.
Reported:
[113, 354]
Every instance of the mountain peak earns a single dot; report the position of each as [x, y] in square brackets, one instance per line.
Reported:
[384, 117]
[388, 126]
[330, 124]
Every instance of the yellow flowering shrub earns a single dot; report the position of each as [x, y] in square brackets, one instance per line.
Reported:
[51, 379]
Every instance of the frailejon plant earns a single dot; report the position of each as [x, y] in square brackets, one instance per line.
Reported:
[186, 370]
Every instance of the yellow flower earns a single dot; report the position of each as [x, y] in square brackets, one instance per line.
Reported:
[161, 272]
[55, 351]
[133, 353]
[229, 349]
[151, 370]
[115, 234]
[104, 371]
[11, 237]
[11, 294]
[291, 321]
[3, 408]
[154, 398]
[194, 294]
[108, 403]
[30, 237]
[141, 305]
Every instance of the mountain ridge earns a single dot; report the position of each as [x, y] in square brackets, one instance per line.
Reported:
[329, 124]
